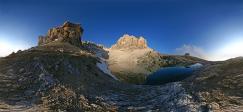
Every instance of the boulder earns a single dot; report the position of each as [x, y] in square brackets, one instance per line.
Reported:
[68, 32]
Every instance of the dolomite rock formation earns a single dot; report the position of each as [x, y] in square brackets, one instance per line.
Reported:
[130, 42]
[131, 60]
[124, 56]
[68, 32]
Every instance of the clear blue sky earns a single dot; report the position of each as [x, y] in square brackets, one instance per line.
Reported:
[166, 24]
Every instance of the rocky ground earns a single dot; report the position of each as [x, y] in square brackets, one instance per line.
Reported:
[63, 77]
[51, 76]
[57, 78]
[219, 85]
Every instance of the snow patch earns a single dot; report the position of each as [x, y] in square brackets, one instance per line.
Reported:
[103, 66]
[197, 65]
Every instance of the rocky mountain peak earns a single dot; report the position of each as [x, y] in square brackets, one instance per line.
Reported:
[68, 32]
[130, 42]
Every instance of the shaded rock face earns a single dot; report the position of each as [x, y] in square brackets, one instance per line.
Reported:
[130, 42]
[68, 32]
[96, 49]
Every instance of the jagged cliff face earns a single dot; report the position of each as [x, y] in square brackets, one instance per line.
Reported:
[130, 42]
[123, 58]
[68, 32]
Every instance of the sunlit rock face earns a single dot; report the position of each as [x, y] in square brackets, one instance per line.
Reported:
[124, 56]
[130, 42]
[68, 32]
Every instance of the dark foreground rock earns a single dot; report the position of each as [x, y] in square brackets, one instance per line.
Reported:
[62, 77]
[219, 86]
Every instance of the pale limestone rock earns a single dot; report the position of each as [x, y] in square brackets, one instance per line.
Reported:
[68, 32]
[130, 42]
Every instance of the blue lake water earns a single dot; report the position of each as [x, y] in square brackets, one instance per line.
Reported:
[171, 74]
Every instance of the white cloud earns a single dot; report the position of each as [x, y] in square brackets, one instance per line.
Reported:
[193, 50]
[224, 52]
